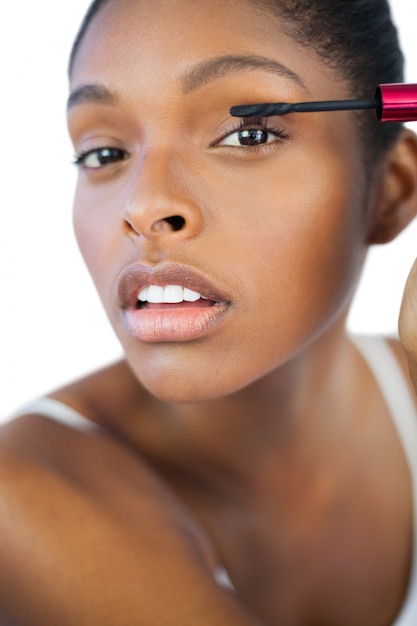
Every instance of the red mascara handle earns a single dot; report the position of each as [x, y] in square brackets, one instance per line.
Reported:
[397, 102]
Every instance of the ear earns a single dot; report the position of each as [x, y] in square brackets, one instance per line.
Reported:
[395, 202]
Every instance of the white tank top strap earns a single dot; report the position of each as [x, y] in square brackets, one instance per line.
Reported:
[398, 397]
[58, 412]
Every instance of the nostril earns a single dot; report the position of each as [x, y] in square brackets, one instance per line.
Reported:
[176, 221]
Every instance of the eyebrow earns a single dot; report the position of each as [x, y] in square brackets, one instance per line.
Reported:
[218, 67]
[193, 79]
[92, 93]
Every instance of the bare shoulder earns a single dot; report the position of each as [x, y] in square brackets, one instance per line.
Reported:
[72, 558]
[89, 533]
[74, 555]
[102, 544]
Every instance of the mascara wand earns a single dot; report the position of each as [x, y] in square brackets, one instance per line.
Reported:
[392, 103]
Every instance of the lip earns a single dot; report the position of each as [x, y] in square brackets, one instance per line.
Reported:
[133, 278]
[169, 323]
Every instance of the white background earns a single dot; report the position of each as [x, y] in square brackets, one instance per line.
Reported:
[52, 328]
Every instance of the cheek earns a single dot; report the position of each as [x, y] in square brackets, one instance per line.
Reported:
[96, 232]
[299, 241]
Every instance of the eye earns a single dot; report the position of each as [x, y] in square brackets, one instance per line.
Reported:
[100, 157]
[252, 134]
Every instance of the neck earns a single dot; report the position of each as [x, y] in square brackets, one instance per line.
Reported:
[296, 407]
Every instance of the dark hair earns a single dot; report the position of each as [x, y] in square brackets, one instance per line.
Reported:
[355, 37]
[358, 39]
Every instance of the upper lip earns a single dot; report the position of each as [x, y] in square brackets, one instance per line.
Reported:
[134, 277]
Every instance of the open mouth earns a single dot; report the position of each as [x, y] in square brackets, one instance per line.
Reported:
[171, 297]
[169, 303]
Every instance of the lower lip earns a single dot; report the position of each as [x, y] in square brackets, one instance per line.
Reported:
[178, 324]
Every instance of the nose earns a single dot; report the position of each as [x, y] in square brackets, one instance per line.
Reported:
[159, 200]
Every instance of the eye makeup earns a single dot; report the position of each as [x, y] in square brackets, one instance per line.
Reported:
[392, 103]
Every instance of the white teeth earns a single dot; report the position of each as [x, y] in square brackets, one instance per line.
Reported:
[169, 294]
[173, 294]
[190, 295]
[155, 294]
[143, 295]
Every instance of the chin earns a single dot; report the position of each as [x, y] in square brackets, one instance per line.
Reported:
[186, 383]
[186, 390]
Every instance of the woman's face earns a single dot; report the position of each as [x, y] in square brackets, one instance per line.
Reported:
[265, 219]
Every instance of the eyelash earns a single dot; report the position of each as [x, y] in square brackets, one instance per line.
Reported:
[257, 124]
[117, 154]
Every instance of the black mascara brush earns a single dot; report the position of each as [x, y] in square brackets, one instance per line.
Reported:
[392, 103]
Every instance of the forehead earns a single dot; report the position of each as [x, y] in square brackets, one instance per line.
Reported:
[149, 38]
[247, 16]
[152, 25]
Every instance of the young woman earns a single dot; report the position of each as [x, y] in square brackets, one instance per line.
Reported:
[248, 463]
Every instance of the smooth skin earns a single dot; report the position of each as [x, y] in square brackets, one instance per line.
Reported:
[264, 444]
